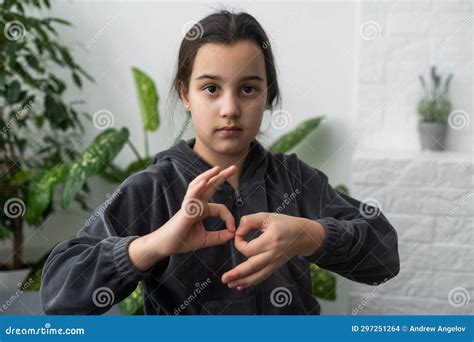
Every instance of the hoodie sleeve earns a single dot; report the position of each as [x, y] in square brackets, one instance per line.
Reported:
[91, 272]
[360, 243]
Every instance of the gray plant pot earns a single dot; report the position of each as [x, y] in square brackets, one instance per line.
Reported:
[432, 135]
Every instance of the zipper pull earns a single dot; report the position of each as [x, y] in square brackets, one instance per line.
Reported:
[240, 202]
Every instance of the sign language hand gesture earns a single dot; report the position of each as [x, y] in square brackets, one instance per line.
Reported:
[185, 231]
[282, 238]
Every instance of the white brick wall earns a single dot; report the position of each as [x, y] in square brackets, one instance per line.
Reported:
[429, 198]
[398, 40]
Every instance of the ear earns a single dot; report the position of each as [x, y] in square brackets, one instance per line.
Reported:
[183, 93]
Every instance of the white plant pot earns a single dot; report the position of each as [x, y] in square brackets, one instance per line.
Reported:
[432, 135]
[12, 280]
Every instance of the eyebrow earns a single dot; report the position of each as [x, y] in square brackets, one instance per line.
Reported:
[218, 78]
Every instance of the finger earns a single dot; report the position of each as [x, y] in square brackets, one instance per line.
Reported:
[217, 180]
[247, 223]
[217, 238]
[257, 277]
[205, 175]
[221, 211]
[252, 265]
[196, 190]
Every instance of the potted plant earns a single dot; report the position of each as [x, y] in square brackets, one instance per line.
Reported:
[40, 128]
[433, 111]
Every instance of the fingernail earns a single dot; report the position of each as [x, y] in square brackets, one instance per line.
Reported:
[240, 288]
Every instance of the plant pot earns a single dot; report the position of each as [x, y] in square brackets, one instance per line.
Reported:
[12, 280]
[432, 135]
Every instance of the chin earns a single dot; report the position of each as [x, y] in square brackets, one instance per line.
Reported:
[231, 145]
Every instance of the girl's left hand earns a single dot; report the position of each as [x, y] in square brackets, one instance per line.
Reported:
[282, 238]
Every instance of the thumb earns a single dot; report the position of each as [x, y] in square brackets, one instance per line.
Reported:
[247, 223]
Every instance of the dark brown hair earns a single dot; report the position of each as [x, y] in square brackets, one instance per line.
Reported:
[224, 27]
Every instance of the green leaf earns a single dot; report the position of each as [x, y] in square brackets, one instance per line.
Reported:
[40, 193]
[77, 80]
[5, 232]
[113, 173]
[148, 98]
[56, 112]
[133, 304]
[138, 165]
[13, 92]
[323, 283]
[101, 152]
[293, 138]
[342, 189]
[21, 177]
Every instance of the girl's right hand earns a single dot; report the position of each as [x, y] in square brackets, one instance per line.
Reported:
[185, 232]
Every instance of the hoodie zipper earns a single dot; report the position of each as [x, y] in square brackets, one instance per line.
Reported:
[258, 291]
[239, 200]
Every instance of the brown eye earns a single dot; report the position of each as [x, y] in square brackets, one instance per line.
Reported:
[211, 89]
[248, 90]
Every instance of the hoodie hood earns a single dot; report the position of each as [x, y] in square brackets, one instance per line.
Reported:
[189, 162]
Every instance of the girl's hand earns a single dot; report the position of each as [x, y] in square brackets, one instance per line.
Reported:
[282, 238]
[184, 232]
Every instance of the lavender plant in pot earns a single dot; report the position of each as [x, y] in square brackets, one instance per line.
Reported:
[433, 111]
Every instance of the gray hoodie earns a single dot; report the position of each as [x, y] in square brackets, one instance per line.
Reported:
[360, 246]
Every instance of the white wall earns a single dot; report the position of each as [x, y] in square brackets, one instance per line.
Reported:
[403, 39]
[314, 48]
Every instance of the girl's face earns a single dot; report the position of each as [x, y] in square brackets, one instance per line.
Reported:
[227, 88]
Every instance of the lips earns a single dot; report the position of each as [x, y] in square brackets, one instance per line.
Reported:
[230, 128]
[229, 131]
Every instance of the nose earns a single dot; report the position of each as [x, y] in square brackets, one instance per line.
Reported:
[230, 106]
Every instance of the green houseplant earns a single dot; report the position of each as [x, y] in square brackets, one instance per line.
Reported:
[40, 128]
[433, 111]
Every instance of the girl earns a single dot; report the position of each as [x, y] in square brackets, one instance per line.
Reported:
[217, 224]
